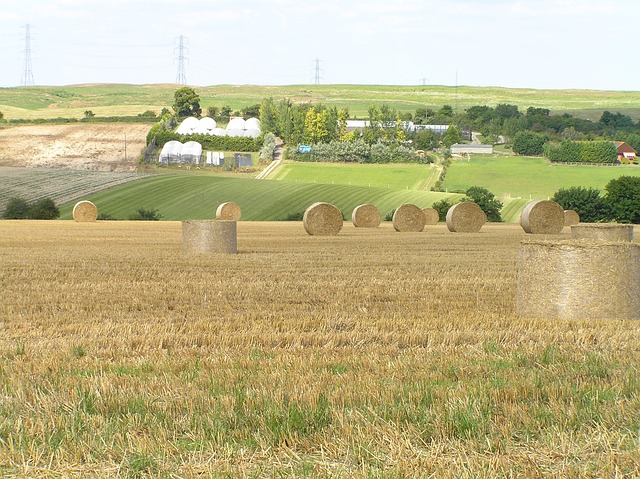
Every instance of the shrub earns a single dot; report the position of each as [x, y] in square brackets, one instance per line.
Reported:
[587, 202]
[486, 201]
[528, 143]
[17, 209]
[623, 197]
[43, 209]
[442, 207]
[143, 214]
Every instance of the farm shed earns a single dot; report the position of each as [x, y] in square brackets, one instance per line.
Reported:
[471, 148]
[191, 152]
[625, 151]
[170, 152]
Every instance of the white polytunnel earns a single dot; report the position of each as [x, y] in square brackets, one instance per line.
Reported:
[252, 124]
[171, 152]
[236, 124]
[188, 126]
[191, 152]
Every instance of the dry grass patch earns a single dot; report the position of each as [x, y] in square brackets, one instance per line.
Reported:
[368, 354]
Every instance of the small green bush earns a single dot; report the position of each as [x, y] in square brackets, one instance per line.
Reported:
[143, 214]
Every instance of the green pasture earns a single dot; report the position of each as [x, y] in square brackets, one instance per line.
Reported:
[124, 100]
[181, 197]
[405, 176]
[527, 177]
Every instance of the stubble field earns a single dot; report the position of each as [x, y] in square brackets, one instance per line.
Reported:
[372, 354]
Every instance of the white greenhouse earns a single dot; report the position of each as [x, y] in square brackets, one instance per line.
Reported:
[252, 124]
[188, 126]
[236, 123]
[170, 152]
[206, 126]
[191, 152]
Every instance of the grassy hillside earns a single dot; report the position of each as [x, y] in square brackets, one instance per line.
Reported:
[394, 176]
[527, 177]
[114, 99]
[197, 197]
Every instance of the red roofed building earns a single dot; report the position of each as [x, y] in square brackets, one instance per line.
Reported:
[625, 151]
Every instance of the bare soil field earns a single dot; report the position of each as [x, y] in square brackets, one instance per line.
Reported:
[93, 146]
[370, 354]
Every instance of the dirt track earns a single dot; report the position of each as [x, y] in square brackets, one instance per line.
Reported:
[76, 146]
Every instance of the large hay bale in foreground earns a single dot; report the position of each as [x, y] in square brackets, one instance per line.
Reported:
[602, 232]
[366, 216]
[571, 217]
[542, 217]
[431, 216]
[408, 218]
[228, 211]
[210, 236]
[466, 217]
[85, 212]
[578, 280]
[322, 219]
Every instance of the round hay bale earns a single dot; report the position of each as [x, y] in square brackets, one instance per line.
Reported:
[85, 212]
[408, 218]
[466, 217]
[571, 217]
[228, 211]
[431, 216]
[602, 232]
[578, 280]
[210, 236]
[365, 216]
[322, 219]
[542, 217]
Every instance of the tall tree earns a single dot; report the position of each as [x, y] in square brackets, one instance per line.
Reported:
[186, 102]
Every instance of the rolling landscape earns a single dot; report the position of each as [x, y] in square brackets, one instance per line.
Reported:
[370, 354]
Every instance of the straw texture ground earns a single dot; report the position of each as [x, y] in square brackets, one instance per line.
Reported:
[431, 216]
[602, 232]
[365, 216]
[322, 219]
[210, 236]
[228, 211]
[542, 217]
[571, 217]
[85, 212]
[578, 280]
[408, 218]
[466, 217]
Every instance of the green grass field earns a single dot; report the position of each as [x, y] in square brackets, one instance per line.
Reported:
[526, 177]
[114, 99]
[197, 197]
[394, 176]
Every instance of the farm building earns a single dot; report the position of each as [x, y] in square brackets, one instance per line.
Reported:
[625, 151]
[471, 148]
[170, 152]
[176, 152]
[207, 126]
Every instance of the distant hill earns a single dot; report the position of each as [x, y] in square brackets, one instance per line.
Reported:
[130, 100]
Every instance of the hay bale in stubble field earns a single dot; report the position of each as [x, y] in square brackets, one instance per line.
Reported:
[571, 217]
[85, 212]
[578, 280]
[602, 232]
[210, 236]
[542, 217]
[365, 216]
[228, 211]
[408, 218]
[466, 217]
[322, 219]
[431, 216]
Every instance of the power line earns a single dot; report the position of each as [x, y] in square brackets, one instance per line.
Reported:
[181, 78]
[27, 74]
[317, 74]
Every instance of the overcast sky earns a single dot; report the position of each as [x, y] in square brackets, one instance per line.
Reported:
[542, 44]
